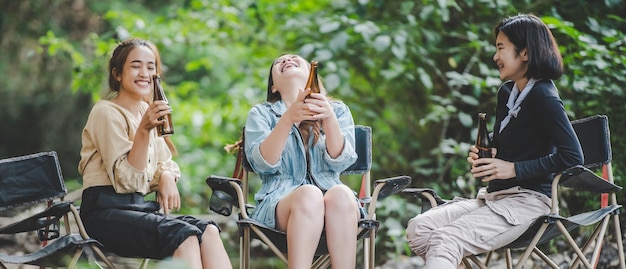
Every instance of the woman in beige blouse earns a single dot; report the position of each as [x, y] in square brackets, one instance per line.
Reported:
[123, 159]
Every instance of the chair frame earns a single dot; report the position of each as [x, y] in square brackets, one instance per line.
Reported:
[549, 226]
[57, 208]
[237, 186]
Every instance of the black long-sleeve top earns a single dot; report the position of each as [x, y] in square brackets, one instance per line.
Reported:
[540, 141]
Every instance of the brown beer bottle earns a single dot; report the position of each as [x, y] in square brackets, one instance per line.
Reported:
[482, 139]
[313, 82]
[166, 128]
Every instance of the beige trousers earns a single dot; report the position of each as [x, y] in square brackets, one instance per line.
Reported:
[462, 227]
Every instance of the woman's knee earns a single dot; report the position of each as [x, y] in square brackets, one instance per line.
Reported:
[340, 197]
[307, 199]
[211, 232]
[418, 227]
[418, 235]
[189, 244]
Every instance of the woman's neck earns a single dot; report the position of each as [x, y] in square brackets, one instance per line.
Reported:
[133, 105]
[521, 83]
[289, 90]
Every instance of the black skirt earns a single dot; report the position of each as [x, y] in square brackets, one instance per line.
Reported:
[129, 226]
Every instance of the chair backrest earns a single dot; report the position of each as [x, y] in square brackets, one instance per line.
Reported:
[30, 179]
[594, 136]
[363, 147]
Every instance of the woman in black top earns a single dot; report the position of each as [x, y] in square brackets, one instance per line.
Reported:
[532, 139]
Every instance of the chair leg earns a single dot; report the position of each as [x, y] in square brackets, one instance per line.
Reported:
[366, 254]
[531, 246]
[321, 262]
[75, 258]
[466, 263]
[573, 244]
[545, 258]
[103, 257]
[599, 242]
[598, 234]
[618, 237]
[509, 260]
[371, 241]
[476, 261]
[244, 250]
[269, 243]
[488, 258]
[144, 263]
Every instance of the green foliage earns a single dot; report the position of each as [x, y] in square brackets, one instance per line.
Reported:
[417, 72]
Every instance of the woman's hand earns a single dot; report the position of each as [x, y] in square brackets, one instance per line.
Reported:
[319, 105]
[472, 155]
[300, 110]
[168, 195]
[491, 168]
[156, 110]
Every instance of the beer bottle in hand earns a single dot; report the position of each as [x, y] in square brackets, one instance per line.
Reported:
[482, 139]
[166, 128]
[313, 82]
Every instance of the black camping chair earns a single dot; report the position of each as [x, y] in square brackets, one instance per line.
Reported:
[37, 179]
[234, 191]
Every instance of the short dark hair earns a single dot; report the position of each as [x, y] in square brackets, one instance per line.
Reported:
[527, 31]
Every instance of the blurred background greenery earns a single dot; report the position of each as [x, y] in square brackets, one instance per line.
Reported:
[417, 72]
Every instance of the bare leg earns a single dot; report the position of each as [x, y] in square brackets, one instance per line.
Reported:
[212, 248]
[341, 219]
[301, 215]
[189, 252]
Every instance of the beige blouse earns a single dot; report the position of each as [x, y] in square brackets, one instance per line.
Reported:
[107, 138]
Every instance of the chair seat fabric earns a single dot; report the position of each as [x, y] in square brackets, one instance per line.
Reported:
[570, 223]
[54, 254]
[39, 220]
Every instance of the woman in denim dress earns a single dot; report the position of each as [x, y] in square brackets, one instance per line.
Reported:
[298, 146]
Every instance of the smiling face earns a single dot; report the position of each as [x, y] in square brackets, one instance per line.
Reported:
[136, 75]
[286, 71]
[511, 63]
[290, 65]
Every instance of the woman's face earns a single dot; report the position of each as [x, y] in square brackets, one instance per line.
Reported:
[289, 66]
[512, 65]
[136, 77]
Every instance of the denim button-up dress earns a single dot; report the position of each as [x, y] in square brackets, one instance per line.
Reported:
[290, 171]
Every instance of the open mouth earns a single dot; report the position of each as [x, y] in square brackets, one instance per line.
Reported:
[287, 66]
[142, 82]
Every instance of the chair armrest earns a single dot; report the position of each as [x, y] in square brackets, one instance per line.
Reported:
[389, 186]
[581, 178]
[386, 187]
[428, 196]
[226, 193]
[40, 220]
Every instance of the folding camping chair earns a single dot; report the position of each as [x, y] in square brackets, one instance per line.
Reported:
[594, 136]
[228, 191]
[36, 179]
